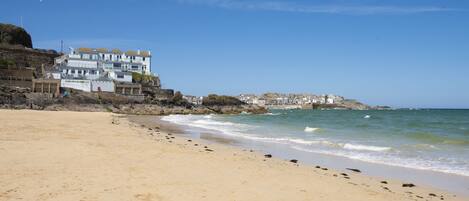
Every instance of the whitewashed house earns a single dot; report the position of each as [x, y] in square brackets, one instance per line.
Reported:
[93, 69]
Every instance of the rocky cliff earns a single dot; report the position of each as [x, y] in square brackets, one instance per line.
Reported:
[13, 35]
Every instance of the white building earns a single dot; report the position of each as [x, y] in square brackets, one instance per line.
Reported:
[111, 60]
[99, 66]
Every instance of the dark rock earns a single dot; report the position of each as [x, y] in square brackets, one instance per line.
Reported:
[208, 150]
[384, 182]
[324, 168]
[317, 166]
[409, 185]
[196, 144]
[354, 170]
[346, 177]
[268, 156]
[14, 35]
[294, 161]
[189, 140]
[343, 174]
[432, 194]
[205, 147]
[419, 196]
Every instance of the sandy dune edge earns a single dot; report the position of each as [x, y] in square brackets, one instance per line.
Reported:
[101, 156]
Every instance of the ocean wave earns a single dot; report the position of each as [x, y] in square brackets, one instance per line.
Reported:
[354, 150]
[310, 129]
[208, 116]
[360, 147]
[272, 114]
[424, 146]
[393, 160]
[437, 139]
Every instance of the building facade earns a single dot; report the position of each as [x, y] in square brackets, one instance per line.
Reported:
[92, 69]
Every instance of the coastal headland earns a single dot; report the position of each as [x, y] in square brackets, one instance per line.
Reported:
[59, 155]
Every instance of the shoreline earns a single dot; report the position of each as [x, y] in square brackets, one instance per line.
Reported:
[449, 182]
[103, 156]
[368, 169]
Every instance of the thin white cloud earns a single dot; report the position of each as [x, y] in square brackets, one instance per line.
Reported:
[301, 8]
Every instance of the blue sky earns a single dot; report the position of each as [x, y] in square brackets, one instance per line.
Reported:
[403, 53]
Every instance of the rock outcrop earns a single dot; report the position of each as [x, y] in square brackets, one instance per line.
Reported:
[13, 35]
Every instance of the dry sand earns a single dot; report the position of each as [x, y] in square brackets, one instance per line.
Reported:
[102, 156]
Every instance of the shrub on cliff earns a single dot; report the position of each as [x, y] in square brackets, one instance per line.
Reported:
[215, 100]
[13, 35]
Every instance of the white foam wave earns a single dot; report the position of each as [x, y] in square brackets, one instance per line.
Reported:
[368, 153]
[360, 147]
[272, 114]
[310, 130]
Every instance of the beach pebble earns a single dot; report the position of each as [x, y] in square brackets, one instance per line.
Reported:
[324, 169]
[384, 182]
[294, 161]
[208, 150]
[354, 170]
[343, 174]
[268, 156]
[317, 166]
[432, 194]
[409, 185]
[189, 140]
[196, 144]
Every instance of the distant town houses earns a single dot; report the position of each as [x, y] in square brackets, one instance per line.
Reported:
[101, 69]
[279, 99]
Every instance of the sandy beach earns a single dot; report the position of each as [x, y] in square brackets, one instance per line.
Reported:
[49, 155]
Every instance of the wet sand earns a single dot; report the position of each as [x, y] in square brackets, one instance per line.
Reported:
[103, 156]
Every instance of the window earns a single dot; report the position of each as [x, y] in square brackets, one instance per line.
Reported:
[117, 65]
[120, 76]
[79, 72]
[143, 58]
[73, 71]
[134, 67]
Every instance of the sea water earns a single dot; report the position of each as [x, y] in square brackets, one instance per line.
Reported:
[426, 139]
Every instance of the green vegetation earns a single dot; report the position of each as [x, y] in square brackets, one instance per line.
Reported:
[215, 100]
[13, 35]
[139, 78]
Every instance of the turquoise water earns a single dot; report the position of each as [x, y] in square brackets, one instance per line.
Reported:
[436, 140]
